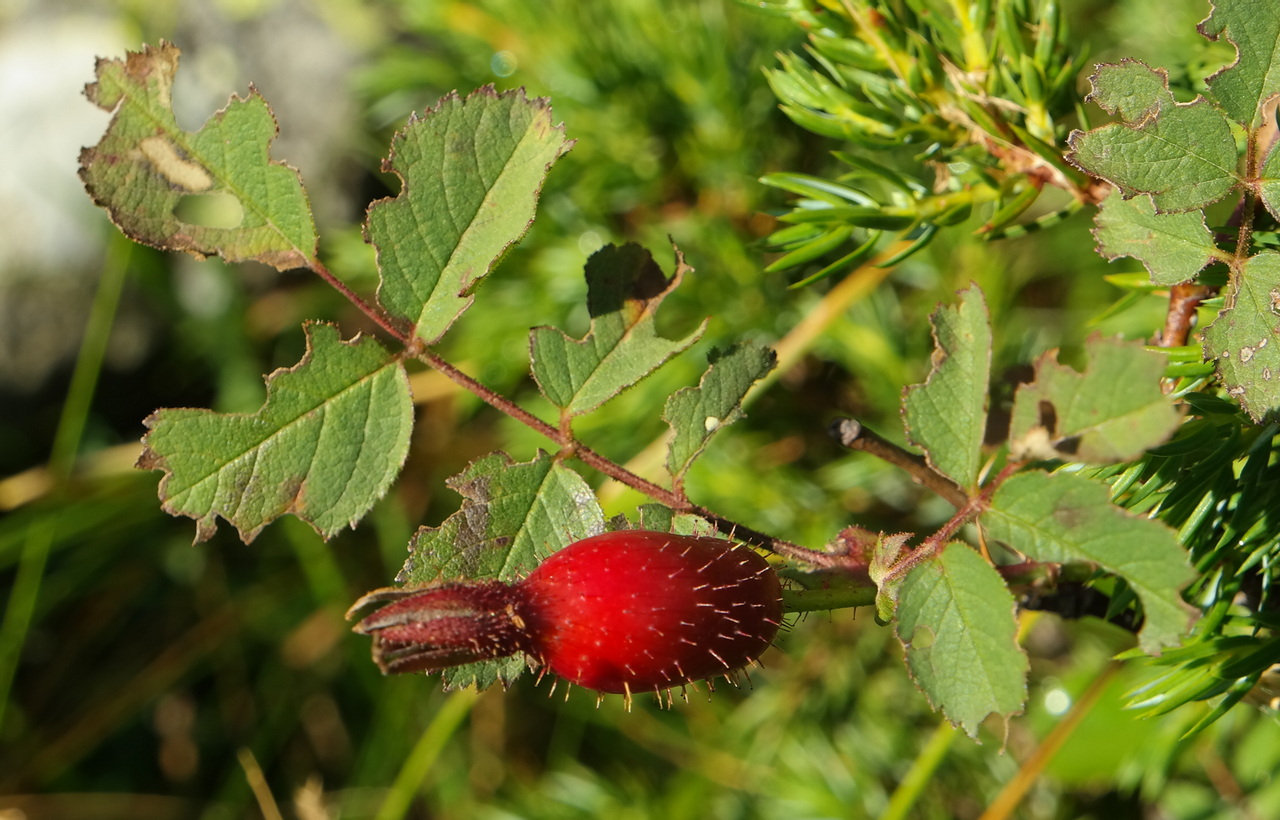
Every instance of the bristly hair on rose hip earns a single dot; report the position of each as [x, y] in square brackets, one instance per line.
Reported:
[623, 612]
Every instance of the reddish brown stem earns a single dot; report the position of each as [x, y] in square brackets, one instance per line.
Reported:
[375, 314]
[852, 434]
[570, 447]
[937, 541]
[1184, 300]
[563, 435]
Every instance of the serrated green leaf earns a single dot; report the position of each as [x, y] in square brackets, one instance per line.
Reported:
[331, 437]
[1172, 247]
[696, 413]
[150, 175]
[1183, 155]
[1063, 518]
[947, 415]
[1244, 341]
[1113, 411]
[1254, 29]
[955, 618]
[471, 172]
[625, 288]
[512, 517]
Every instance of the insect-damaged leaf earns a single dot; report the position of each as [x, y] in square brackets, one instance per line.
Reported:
[625, 288]
[1254, 29]
[471, 172]
[212, 192]
[331, 437]
[1113, 411]
[1244, 341]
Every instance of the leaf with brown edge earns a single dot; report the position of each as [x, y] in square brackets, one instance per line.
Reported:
[212, 192]
[331, 437]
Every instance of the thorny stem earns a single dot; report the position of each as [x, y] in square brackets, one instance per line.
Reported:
[852, 434]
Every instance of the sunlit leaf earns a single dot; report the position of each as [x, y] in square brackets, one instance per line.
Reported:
[1063, 518]
[1112, 411]
[471, 171]
[955, 618]
[625, 288]
[329, 441]
[947, 415]
[212, 192]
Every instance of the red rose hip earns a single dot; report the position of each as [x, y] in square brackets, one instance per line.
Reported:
[626, 611]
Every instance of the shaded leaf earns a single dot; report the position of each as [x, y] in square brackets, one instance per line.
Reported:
[1172, 247]
[1183, 155]
[947, 415]
[625, 288]
[1113, 411]
[471, 172]
[696, 413]
[1063, 518]
[331, 437]
[956, 620]
[212, 192]
[513, 515]
[1244, 341]
[1254, 29]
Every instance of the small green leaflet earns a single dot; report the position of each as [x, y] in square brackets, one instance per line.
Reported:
[150, 174]
[1254, 29]
[956, 621]
[625, 288]
[696, 413]
[1244, 340]
[1113, 411]
[1183, 155]
[1172, 247]
[947, 415]
[1062, 518]
[512, 517]
[471, 172]
[329, 441]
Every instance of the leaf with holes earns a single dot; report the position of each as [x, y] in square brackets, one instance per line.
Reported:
[212, 192]
[1113, 411]
[471, 171]
[331, 437]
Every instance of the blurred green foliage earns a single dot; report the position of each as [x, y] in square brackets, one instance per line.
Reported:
[150, 666]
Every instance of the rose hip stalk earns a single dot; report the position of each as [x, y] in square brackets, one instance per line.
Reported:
[627, 611]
